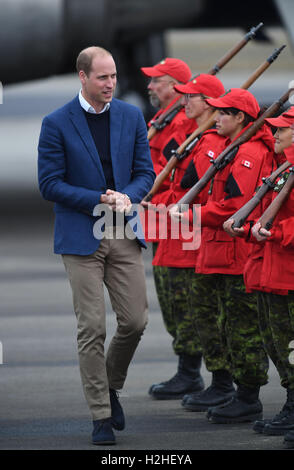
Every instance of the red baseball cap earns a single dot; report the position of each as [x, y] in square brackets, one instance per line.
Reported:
[208, 85]
[237, 98]
[284, 120]
[176, 68]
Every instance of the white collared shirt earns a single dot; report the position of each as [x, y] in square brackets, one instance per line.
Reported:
[87, 107]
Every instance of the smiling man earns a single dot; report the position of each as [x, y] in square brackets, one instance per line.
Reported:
[95, 150]
[98, 76]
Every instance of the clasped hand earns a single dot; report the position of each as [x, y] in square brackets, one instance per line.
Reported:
[116, 201]
[232, 231]
[260, 233]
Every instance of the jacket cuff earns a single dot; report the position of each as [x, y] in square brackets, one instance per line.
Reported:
[276, 235]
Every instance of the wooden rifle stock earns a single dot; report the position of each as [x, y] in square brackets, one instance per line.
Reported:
[172, 162]
[151, 132]
[164, 118]
[267, 218]
[229, 153]
[243, 213]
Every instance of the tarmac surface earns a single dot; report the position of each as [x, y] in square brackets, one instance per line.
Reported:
[42, 406]
[42, 403]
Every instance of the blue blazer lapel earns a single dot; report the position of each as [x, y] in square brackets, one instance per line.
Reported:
[80, 122]
[116, 117]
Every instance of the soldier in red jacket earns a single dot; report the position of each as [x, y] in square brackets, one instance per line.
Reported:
[164, 76]
[220, 263]
[270, 271]
[176, 252]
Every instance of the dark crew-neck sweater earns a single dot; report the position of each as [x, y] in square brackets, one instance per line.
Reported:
[100, 130]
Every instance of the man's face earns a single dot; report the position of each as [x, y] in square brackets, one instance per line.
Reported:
[161, 90]
[99, 86]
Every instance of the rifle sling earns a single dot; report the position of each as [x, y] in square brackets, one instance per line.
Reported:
[181, 156]
[220, 165]
[168, 118]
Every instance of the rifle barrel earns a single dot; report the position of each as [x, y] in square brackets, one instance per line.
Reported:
[259, 71]
[269, 215]
[243, 213]
[221, 63]
[231, 53]
[208, 124]
[244, 137]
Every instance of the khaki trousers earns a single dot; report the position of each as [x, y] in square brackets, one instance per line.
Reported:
[117, 264]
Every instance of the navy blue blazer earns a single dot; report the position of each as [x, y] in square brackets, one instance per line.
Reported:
[71, 175]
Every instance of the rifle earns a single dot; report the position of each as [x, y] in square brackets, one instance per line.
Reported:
[268, 183]
[187, 146]
[267, 218]
[167, 116]
[229, 153]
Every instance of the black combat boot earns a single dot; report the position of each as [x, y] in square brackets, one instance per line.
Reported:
[187, 379]
[259, 425]
[289, 440]
[243, 407]
[284, 421]
[220, 391]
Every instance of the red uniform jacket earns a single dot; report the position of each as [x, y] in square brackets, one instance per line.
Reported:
[169, 138]
[171, 252]
[270, 267]
[232, 188]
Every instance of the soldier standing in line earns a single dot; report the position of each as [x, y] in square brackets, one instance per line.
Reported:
[269, 271]
[289, 437]
[164, 76]
[180, 261]
[221, 262]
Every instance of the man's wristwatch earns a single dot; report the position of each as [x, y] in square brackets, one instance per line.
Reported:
[127, 198]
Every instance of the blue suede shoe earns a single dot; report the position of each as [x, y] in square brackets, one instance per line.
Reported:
[102, 432]
[117, 414]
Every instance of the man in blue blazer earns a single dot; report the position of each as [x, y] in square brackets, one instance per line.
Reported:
[94, 160]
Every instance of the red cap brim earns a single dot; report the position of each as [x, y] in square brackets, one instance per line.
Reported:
[151, 72]
[217, 103]
[280, 121]
[182, 88]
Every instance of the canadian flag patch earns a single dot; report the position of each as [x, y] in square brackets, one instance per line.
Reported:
[247, 163]
[210, 154]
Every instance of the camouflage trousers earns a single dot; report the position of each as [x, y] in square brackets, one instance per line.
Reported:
[161, 281]
[173, 288]
[206, 321]
[227, 323]
[276, 319]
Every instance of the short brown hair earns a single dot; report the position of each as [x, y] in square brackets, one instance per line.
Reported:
[85, 58]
